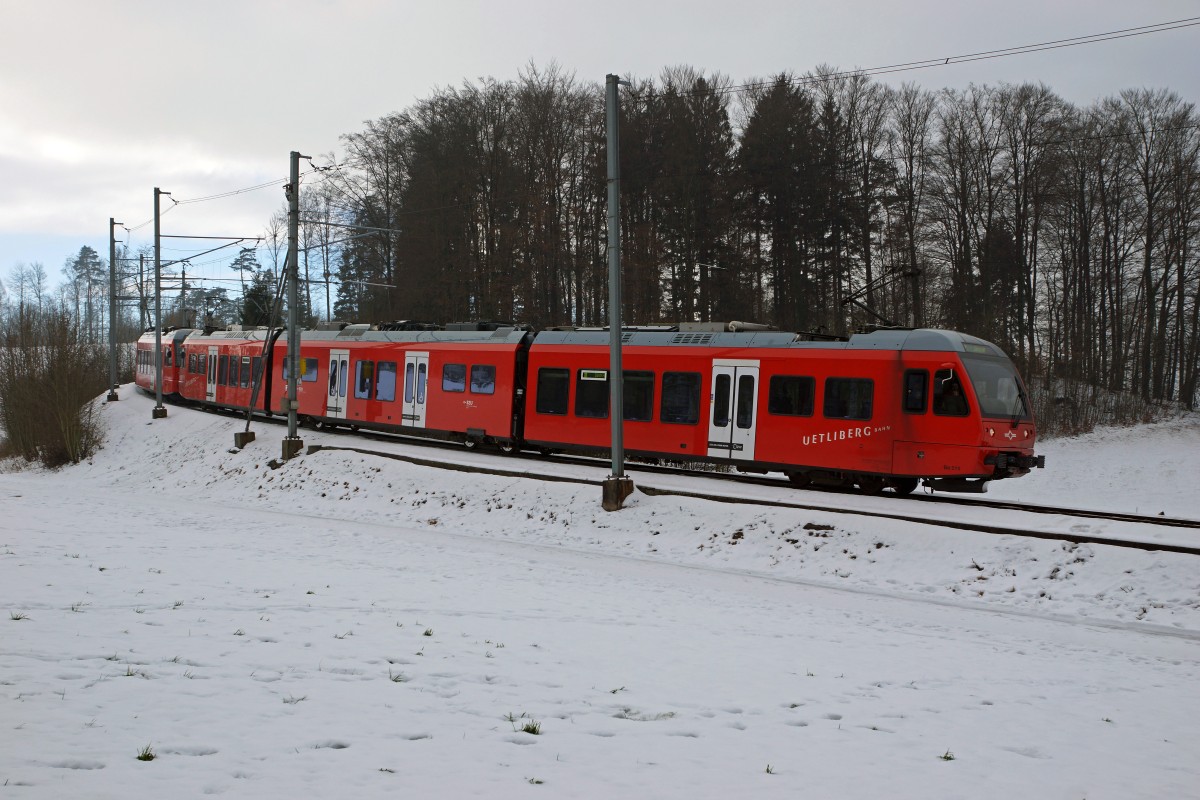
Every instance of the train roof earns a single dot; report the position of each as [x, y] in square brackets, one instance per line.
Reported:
[926, 339]
[365, 333]
[921, 339]
[169, 335]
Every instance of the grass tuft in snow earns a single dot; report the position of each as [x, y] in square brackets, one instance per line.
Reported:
[947, 756]
[17, 616]
[530, 725]
[146, 754]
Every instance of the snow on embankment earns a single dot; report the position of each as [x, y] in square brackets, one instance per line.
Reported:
[189, 454]
[1146, 469]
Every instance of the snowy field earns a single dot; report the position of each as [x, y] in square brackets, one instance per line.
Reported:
[356, 626]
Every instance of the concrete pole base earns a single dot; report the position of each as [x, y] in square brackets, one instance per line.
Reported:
[158, 413]
[112, 396]
[292, 447]
[242, 438]
[615, 491]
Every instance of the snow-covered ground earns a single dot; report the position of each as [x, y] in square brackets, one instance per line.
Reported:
[355, 626]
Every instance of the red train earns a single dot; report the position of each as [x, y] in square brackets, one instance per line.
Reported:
[885, 409]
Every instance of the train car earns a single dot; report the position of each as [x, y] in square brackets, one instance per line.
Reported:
[884, 409]
[172, 356]
[463, 385]
[221, 368]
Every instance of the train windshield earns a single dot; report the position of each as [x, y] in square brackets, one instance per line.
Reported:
[997, 386]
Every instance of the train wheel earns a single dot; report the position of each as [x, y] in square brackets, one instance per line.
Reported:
[508, 448]
[903, 485]
[798, 479]
[471, 444]
[870, 484]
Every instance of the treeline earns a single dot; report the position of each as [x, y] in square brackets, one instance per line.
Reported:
[1067, 235]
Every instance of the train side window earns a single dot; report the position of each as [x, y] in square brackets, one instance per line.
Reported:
[333, 376]
[848, 398]
[191, 367]
[222, 369]
[364, 377]
[791, 395]
[234, 368]
[591, 393]
[167, 356]
[258, 368]
[454, 377]
[308, 370]
[916, 390]
[483, 379]
[409, 383]
[385, 382]
[948, 399]
[721, 390]
[680, 398]
[422, 370]
[245, 371]
[553, 390]
[745, 401]
[637, 389]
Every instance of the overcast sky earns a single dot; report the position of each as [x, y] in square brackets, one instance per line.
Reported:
[103, 101]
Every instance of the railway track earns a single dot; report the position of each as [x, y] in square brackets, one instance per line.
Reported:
[901, 513]
[1031, 508]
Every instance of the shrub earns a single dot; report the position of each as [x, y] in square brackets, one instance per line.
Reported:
[49, 375]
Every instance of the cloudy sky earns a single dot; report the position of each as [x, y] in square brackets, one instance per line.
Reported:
[103, 101]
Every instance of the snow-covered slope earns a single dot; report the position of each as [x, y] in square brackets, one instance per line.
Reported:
[349, 625]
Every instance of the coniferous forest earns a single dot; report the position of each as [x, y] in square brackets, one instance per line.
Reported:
[824, 202]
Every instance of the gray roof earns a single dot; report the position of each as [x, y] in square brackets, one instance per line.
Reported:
[363, 333]
[921, 339]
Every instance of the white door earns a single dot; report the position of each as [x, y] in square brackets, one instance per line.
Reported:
[733, 409]
[210, 373]
[339, 367]
[416, 382]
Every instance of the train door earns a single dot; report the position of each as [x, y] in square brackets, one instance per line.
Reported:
[733, 409]
[416, 381]
[210, 375]
[339, 367]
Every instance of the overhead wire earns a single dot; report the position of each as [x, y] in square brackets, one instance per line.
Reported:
[327, 172]
[1075, 41]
